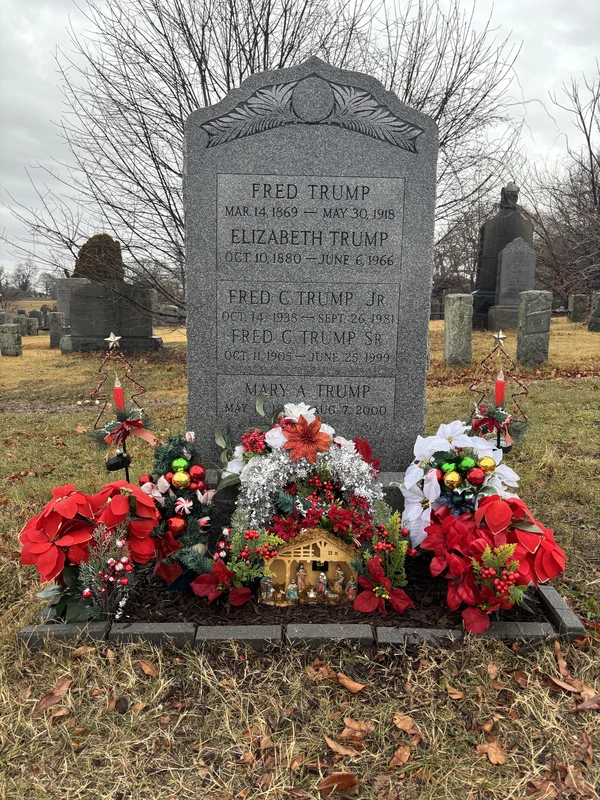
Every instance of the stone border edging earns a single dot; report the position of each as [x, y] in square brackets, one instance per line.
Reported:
[563, 623]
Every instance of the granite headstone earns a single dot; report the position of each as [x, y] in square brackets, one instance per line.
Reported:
[3, 317]
[507, 225]
[577, 307]
[10, 340]
[64, 289]
[594, 318]
[458, 328]
[516, 274]
[56, 325]
[309, 200]
[533, 333]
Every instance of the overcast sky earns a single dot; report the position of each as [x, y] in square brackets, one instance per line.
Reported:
[560, 39]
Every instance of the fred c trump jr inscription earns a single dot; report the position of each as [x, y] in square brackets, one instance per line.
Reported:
[309, 201]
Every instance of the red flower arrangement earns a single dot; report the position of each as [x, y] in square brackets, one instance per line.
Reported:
[215, 583]
[491, 556]
[378, 590]
[60, 535]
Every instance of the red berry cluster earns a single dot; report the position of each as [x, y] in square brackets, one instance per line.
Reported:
[382, 544]
[114, 575]
[254, 441]
[315, 482]
[251, 535]
[502, 585]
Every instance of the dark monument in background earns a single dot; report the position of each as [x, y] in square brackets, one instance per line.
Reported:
[495, 234]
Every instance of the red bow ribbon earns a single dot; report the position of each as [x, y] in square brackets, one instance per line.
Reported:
[135, 426]
[490, 423]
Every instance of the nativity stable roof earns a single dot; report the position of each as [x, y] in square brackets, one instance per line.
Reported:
[313, 535]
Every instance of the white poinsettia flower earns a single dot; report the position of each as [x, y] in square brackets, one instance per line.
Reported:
[413, 475]
[417, 506]
[426, 446]
[345, 444]
[275, 438]
[293, 411]
[454, 434]
[327, 429]
[485, 447]
[499, 486]
[239, 451]
[236, 465]
[507, 475]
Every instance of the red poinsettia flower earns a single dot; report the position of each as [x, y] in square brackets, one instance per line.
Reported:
[117, 503]
[306, 439]
[67, 544]
[214, 584]
[363, 448]
[378, 590]
[476, 620]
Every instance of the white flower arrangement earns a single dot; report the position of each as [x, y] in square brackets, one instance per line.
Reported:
[452, 469]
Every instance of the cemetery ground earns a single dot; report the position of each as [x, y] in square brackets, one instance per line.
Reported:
[482, 720]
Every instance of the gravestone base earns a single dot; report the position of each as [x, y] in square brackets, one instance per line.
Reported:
[85, 344]
[503, 318]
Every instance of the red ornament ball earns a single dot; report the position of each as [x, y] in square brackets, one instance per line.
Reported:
[476, 476]
[197, 472]
[201, 486]
[169, 476]
[176, 525]
[145, 479]
[124, 581]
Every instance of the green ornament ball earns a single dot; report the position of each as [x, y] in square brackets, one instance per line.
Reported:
[467, 463]
[448, 466]
[180, 464]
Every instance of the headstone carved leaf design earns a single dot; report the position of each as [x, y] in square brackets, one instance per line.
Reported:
[353, 109]
[359, 111]
[267, 108]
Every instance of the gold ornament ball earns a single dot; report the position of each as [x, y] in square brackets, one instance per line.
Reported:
[487, 464]
[452, 479]
[181, 480]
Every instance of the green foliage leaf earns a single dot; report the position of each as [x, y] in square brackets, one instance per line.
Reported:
[260, 405]
[70, 576]
[50, 591]
[228, 480]
[285, 502]
[220, 439]
[527, 526]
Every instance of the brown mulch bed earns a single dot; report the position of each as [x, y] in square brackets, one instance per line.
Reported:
[151, 601]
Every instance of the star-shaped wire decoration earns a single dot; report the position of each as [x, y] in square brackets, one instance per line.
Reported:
[113, 341]
[500, 337]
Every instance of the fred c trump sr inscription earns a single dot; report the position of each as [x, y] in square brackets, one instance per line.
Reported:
[309, 201]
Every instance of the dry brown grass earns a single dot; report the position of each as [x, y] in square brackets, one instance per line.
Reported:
[196, 752]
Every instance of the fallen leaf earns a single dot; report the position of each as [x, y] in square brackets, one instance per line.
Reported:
[404, 722]
[71, 722]
[81, 731]
[26, 694]
[562, 664]
[341, 749]
[575, 781]
[296, 762]
[81, 428]
[137, 707]
[365, 726]
[165, 719]
[52, 698]
[334, 714]
[59, 714]
[568, 687]
[493, 670]
[265, 781]
[454, 694]
[111, 655]
[245, 758]
[401, 756]
[521, 678]
[148, 668]
[592, 704]
[265, 743]
[337, 782]
[76, 745]
[487, 726]
[494, 751]
[584, 751]
[349, 684]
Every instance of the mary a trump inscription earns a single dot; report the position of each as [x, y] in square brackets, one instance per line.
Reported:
[309, 212]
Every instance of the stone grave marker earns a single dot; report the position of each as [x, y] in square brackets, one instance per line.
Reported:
[516, 274]
[10, 340]
[458, 328]
[3, 316]
[594, 320]
[533, 333]
[309, 201]
[21, 321]
[56, 325]
[32, 326]
[577, 307]
[64, 289]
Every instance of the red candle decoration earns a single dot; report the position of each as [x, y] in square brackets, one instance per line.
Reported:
[500, 388]
[119, 395]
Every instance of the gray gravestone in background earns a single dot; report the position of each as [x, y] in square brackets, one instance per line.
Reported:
[594, 320]
[32, 326]
[10, 340]
[309, 199]
[458, 328]
[533, 333]
[64, 289]
[21, 322]
[516, 274]
[3, 316]
[577, 307]
[56, 325]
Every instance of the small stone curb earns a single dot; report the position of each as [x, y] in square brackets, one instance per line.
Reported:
[260, 637]
[33, 636]
[568, 623]
[564, 623]
[321, 634]
[176, 633]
